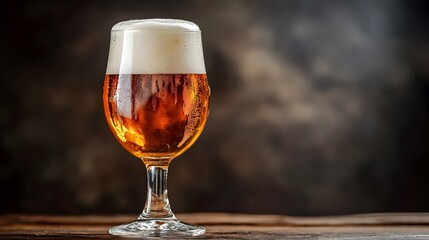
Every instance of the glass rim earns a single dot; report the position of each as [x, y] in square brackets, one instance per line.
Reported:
[155, 25]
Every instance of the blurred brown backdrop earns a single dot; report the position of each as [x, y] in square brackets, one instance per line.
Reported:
[318, 107]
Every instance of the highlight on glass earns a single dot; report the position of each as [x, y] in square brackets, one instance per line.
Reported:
[156, 102]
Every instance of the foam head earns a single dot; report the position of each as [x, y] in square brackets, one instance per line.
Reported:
[156, 46]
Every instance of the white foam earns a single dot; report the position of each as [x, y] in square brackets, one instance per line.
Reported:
[155, 46]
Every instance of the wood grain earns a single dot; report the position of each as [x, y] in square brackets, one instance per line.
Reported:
[229, 226]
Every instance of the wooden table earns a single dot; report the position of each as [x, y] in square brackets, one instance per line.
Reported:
[229, 226]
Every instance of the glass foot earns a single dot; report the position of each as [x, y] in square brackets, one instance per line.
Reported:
[162, 227]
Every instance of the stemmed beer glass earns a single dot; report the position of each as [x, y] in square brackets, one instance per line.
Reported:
[156, 101]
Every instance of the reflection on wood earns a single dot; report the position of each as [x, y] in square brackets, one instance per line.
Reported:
[229, 226]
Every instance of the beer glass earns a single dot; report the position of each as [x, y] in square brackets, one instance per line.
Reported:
[156, 101]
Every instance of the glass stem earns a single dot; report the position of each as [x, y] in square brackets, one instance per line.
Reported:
[157, 204]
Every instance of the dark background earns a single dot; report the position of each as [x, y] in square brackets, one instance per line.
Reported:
[318, 107]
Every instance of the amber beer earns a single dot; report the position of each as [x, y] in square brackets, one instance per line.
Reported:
[156, 115]
[156, 101]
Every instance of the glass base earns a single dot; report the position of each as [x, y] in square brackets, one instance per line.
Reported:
[162, 227]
